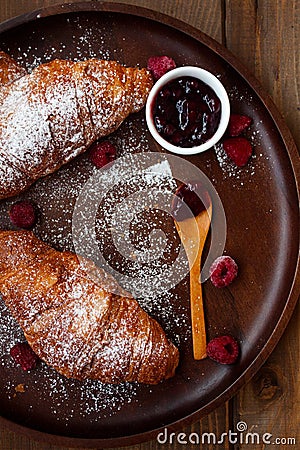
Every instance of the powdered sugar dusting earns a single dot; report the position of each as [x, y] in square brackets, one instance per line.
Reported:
[230, 170]
[240, 175]
[64, 186]
[87, 43]
[91, 396]
[10, 333]
[56, 112]
[55, 210]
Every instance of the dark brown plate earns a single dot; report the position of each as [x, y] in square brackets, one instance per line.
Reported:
[261, 205]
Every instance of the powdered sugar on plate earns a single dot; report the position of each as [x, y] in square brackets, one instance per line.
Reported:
[55, 197]
[90, 43]
[230, 170]
[238, 175]
[91, 396]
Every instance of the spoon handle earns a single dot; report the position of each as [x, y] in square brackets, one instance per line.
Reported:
[197, 311]
[193, 235]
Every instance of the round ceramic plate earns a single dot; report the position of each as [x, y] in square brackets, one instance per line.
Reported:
[261, 206]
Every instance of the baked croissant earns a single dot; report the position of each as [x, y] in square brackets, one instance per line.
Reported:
[75, 325]
[54, 113]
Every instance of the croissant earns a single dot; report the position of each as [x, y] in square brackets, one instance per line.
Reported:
[75, 325]
[54, 113]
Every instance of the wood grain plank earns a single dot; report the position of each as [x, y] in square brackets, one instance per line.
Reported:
[264, 35]
[241, 29]
[279, 65]
[203, 14]
[270, 403]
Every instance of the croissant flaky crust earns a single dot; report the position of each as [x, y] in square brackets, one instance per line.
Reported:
[54, 113]
[74, 324]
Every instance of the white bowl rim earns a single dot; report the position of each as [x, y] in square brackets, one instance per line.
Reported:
[211, 80]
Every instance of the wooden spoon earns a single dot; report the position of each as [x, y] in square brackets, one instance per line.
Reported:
[193, 233]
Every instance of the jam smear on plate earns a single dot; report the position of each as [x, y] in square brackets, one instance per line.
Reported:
[186, 112]
[191, 199]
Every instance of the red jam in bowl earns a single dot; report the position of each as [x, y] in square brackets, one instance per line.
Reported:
[186, 112]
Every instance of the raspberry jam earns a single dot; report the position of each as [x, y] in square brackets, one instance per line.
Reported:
[186, 112]
[188, 201]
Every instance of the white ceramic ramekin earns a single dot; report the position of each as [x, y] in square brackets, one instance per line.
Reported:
[212, 81]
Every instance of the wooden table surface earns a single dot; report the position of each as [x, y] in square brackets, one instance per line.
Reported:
[265, 36]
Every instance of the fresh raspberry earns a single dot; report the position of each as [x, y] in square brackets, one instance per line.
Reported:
[223, 349]
[102, 153]
[238, 149]
[238, 123]
[23, 214]
[223, 271]
[159, 65]
[23, 354]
